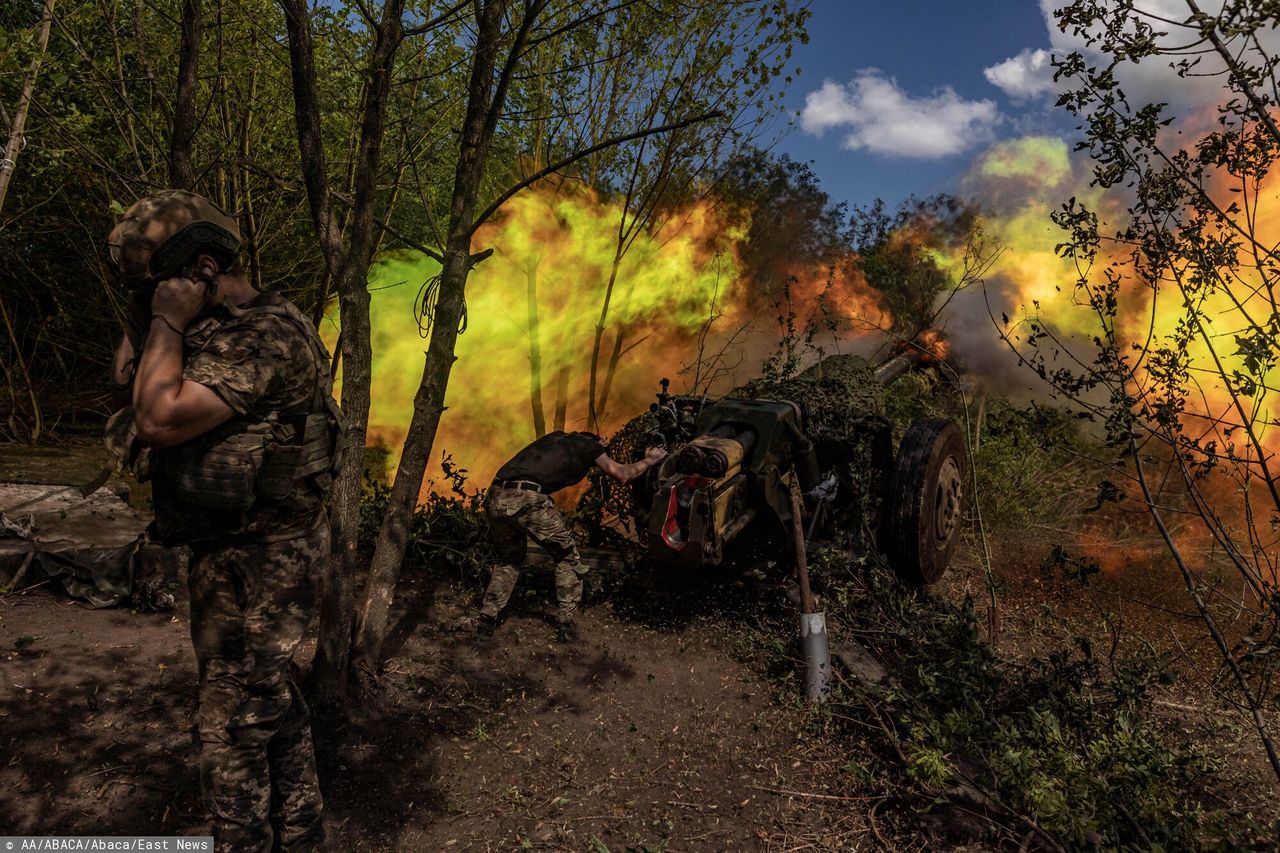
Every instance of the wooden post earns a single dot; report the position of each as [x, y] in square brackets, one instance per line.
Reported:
[802, 561]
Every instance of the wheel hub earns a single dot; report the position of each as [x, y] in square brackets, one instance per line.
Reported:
[947, 502]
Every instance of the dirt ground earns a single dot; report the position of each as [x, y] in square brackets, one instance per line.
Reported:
[659, 730]
[632, 738]
[640, 736]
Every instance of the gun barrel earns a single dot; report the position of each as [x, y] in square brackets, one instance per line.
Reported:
[893, 369]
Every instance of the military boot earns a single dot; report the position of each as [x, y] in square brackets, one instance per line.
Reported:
[485, 626]
[567, 632]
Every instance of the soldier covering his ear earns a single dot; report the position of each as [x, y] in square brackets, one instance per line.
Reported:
[234, 423]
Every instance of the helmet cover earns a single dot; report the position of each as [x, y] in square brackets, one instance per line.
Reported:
[160, 233]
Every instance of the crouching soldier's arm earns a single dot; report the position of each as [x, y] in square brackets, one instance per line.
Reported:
[169, 409]
[627, 473]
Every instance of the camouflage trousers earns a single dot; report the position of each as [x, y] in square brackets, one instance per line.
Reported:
[250, 604]
[515, 516]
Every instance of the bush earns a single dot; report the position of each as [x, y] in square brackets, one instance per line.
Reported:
[449, 532]
[1064, 741]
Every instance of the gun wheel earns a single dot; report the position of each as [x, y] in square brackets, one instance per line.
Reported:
[926, 501]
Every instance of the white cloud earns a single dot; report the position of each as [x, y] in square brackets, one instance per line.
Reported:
[1023, 77]
[885, 120]
[1151, 79]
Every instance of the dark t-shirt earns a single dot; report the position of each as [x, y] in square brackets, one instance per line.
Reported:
[556, 460]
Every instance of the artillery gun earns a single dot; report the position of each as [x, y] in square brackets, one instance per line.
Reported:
[735, 461]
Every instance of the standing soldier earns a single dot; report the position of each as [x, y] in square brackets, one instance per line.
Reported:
[519, 507]
[233, 422]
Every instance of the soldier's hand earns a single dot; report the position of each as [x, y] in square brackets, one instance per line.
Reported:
[179, 300]
[654, 455]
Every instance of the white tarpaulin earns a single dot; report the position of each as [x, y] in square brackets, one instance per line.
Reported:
[85, 543]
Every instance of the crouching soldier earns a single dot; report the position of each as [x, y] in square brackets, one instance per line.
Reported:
[519, 508]
[234, 424]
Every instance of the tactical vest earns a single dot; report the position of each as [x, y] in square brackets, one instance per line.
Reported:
[249, 461]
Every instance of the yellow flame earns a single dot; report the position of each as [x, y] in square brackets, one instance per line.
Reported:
[1025, 181]
[562, 243]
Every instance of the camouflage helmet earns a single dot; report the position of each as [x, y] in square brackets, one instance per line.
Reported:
[160, 233]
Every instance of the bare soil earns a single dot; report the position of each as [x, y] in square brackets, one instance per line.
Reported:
[631, 738]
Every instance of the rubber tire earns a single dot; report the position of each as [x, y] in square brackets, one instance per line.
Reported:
[917, 551]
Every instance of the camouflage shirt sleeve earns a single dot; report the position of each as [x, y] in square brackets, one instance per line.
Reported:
[257, 363]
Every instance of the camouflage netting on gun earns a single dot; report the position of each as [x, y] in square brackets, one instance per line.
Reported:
[607, 510]
[842, 405]
[836, 396]
[842, 408]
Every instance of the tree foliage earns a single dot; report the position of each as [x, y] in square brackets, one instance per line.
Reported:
[1178, 274]
[900, 254]
[794, 223]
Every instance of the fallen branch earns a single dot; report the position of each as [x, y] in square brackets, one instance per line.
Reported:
[21, 572]
[25, 590]
[1164, 703]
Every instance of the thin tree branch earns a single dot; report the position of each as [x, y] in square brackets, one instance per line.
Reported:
[1209, 28]
[1192, 589]
[437, 21]
[585, 152]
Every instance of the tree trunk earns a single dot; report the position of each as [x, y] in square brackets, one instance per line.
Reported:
[562, 398]
[183, 132]
[248, 211]
[306, 110]
[483, 105]
[349, 267]
[611, 370]
[535, 355]
[9, 162]
[428, 405]
[615, 357]
[338, 589]
[593, 414]
[352, 281]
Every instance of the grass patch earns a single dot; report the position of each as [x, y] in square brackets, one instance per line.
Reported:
[1034, 464]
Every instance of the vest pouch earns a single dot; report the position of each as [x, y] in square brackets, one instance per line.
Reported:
[275, 480]
[319, 448]
[220, 477]
[304, 451]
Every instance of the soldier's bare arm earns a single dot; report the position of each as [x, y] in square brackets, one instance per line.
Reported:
[170, 410]
[122, 364]
[626, 473]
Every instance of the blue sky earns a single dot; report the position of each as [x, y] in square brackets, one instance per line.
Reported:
[895, 64]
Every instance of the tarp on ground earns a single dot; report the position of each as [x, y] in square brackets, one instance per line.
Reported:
[87, 545]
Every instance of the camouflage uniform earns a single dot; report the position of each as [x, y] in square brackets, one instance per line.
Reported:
[252, 594]
[250, 605]
[515, 516]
